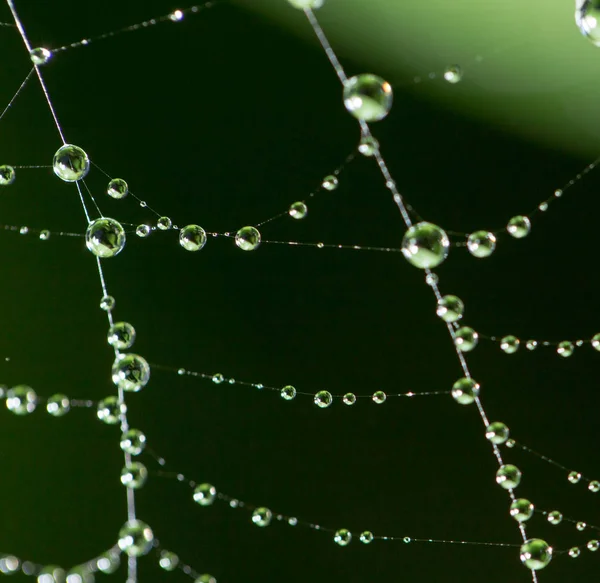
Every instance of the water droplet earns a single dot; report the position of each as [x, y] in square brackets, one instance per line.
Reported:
[431, 279]
[535, 554]
[40, 56]
[587, 17]
[450, 308]
[581, 526]
[192, 238]
[453, 74]
[343, 537]
[531, 344]
[323, 399]
[366, 537]
[288, 393]
[465, 390]
[134, 475]
[368, 97]
[306, 4]
[543, 206]
[519, 227]
[133, 442]
[481, 244]
[593, 545]
[176, 16]
[205, 494]
[574, 552]
[70, 163]
[298, 210]
[594, 486]
[508, 476]
[510, 344]
[44, 235]
[24, 230]
[110, 410]
[143, 230]
[21, 400]
[168, 560]
[330, 182]
[425, 245]
[218, 378]
[262, 516]
[117, 188]
[521, 510]
[466, 339]
[107, 303]
[565, 349]
[130, 372]
[574, 477]
[164, 223]
[121, 335]
[7, 175]
[497, 432]
[555, 517]
[368, 146]
[105, 237]
[247, 238]
[349, 399]
[379, 397]
[58, 405]
[135, 538]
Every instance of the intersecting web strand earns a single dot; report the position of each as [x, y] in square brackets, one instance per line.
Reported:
[404, 211]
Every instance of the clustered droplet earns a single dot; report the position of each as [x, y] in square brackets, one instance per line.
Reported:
[298, 210]
[425, 245]
[105, 237]
[508, 476]
[368, 97]
[71, 163]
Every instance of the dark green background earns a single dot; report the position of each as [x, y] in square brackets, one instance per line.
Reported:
[224, 120]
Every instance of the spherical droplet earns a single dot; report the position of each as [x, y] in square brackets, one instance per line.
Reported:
[565, 349]
[108, 562]
[593, 545]
[450, 308]
[133, 442]
[298, 210]
[432, 279]
[368, 146]
[508, 476]
[581, 526]
[574, 552]
[247, 238]
[330, 183]
[306, 4]
[105, 237]
[70, 163]
[349, 399]
[594, 486]
[587, 17]
[531, 344]
[510, 344]
[366, 537]
[40, 56]
[519, 227]
[465, 390]
[51, 574]
[574, 477]
[288, 393]
[481, 244]
[168, 560]
[425, 245]
[453, 74]
[117, 188]
[342, 537]
[555, 517]
[135, 538]
[164, 223]
[218, 378]
[535, 554]
[44, 235]
[130, 372]
[521, 510]
[7, 175]
[58, 405]
[497, 432]
[143, 231]
[596, 342]
[21, 400]
[121, 335]
[510, 443]
[466, 339]
[205, 494]
[110, 410]
[192, 238]
[134, 475]
[107, 303]
[368, 97]
[379, 397]
[262, 516]
[323, 399]
[9, 564]
[205, 578]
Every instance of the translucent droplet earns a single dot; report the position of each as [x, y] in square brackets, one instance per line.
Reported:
[594, 486]
[323, 399]
[510, 344]
[288, 393]
[51, 574]
[379, 397]
[432, 279]
[349, 399]
[143, 231]
[342, 537]
[298, 210]
[581, 526]
[9, 564]
[306, 4]
[218, 378]
[406, 539]
[465, 390]
[574, 552]
[587, 17]
[40, 56]
[368, 97]
[466, 339]
[262, 516]
[21, 400]
[292, 521]
[130, 372]
[450, 308]
[510, 443]
[574, 477]
[366, 537]
[70, 163]
[368, 146]
[497, 432]
[7, 175]
[135, 538]
[107, 303]
[121, 335]
[425, 245]
[192, 238]
[105, 237]
[565, 349]
[543, 206]
[117, 188]
[453, 74]
[596, 342]
[205, 578]
[481, 244]
[108, 562]
[176, 16]
[535, 554]
[24, 230]
[508, 476]
[519, 227]
[134, 475]
[133, 442]
[330, 182]
[555, 517]
[164, 223]
[44, 235]
[168, 560]
[247, 238]
[205, 494]
[110, 410]
[521, 510]
[593, 545]
[531, 344]
[58, 405]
